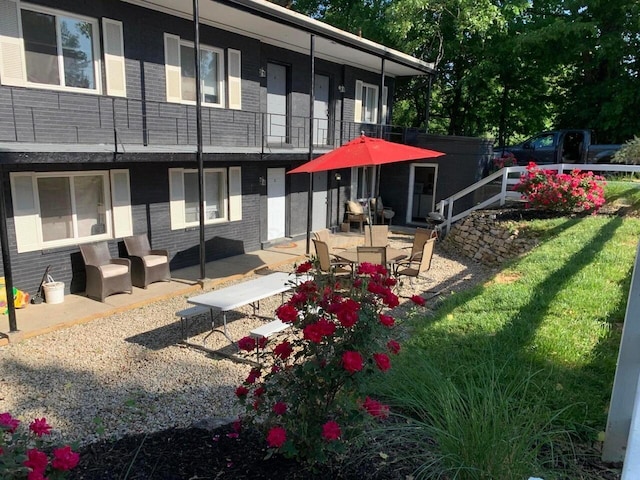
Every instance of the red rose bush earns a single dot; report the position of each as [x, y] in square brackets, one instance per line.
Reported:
[23, 453]
[308, 400]
[563, 192]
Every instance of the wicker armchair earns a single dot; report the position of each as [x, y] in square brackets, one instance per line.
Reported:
[147, 265]
[105, 275]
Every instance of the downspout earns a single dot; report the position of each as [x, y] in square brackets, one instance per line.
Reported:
[312, 69]
[200, 161]
[6, 259]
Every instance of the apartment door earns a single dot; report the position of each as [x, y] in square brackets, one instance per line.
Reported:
[277, 107]
[320, 199]
[276, 205]
[422, 191]
[321, 110]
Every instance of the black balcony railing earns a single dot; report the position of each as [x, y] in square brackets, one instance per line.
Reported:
[59, 117]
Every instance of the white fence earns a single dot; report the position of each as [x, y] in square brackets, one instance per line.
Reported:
[509, 176]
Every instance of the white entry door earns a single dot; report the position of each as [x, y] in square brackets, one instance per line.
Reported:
[277, 104]
[319, 209]
[276, 206]
[321, 110]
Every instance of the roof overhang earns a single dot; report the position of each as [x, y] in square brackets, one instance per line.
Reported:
[281, 27]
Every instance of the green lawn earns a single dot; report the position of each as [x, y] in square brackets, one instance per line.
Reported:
[504, 374]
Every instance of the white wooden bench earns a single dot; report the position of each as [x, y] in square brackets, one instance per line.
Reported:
[266, 331]
[188, 313]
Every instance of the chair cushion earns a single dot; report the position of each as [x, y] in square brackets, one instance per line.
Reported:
[355, 207]
[153, 260]
[113, 270]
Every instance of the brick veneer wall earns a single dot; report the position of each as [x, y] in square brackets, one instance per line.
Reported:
[484, 239]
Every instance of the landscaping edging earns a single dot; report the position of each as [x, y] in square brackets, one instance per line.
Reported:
[484, 238]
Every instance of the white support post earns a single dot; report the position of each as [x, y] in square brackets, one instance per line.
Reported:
[623, 395]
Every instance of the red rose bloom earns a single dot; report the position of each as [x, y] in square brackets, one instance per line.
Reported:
[6, 420]
[33, 475]
[40, 427]
[375, 408]
[352, 361]
[254, 374]
[242, 391]
[387, 320]
[331, 431]
[36, 460]
[393, 346]
[64, 458]
[304, 267]
[312, 333]
[237, 425]
[259, 391]
[247, 343]
[418, 300]
[279, 408]
[391, 300]
[283, 350]
[325, 327]
[366, 268]
[276, 437]
[287, 313]
[382, 360]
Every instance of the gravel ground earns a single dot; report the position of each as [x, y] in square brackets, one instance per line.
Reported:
[127, 373]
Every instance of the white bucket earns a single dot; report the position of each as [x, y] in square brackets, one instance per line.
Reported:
[53, 292]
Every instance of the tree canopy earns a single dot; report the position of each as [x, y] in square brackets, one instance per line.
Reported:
[507, 68]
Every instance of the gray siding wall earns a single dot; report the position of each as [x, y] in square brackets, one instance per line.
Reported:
[150, 210]
[40, 116]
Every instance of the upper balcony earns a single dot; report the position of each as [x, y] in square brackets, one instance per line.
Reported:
[61, 121]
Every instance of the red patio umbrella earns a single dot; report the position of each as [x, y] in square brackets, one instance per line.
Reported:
[362, 152]
[365, 152]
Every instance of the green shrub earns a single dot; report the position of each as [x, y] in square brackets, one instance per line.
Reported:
[629, 153]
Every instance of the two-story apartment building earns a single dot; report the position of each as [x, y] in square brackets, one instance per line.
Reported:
[99, 134]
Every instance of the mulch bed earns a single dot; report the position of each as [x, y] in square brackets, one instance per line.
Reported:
[196, 453]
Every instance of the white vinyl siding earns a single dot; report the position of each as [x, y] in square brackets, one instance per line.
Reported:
[220, 195]
[114, 62]
[66, 208]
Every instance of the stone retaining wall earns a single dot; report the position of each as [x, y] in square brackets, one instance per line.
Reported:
[481, 237]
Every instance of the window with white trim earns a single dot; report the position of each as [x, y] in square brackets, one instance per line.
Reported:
[180, 74]
[366, 103]
[59, 209]
[43, 47]
[222, 196]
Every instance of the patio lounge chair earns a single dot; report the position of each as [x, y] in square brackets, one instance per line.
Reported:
[419, 239]
[105, 275]
[376, 236]
[375, 255]
[413, 268]
[327, 265]
[382, 213]
[355, 214]
[147, 265]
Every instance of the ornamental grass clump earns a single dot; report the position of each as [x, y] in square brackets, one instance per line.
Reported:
[309, 401]
[23, 453]
[562, 192]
